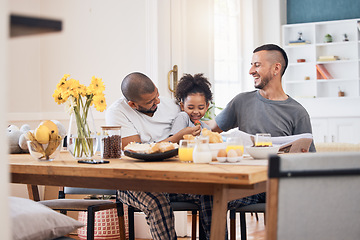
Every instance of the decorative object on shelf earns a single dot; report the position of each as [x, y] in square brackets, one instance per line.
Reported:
[301, 60]
[341, 93]
[300, 36]
[81, 137]
[346, 39]
[328, 38]
[328, 58]
[298, 42]
[307, 78]
[323, 71]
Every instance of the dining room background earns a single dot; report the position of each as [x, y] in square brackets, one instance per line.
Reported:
[113, 38]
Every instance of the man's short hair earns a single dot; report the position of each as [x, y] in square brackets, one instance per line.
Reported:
[135, 84]
[273, 47]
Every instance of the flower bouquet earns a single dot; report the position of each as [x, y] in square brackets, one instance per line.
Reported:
[78, 98]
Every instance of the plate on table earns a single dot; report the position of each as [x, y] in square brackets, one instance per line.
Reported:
[153, 156]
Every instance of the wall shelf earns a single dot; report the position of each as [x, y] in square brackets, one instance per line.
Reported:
[345, 72]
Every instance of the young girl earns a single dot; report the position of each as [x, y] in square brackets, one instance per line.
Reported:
[194, 96]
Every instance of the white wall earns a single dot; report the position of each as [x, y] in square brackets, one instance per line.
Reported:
[105, 39]
[4, 171]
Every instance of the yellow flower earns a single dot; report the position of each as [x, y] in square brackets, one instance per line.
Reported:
[81, 90]
[80, 94]
[99, 102]
[58, 97]
[96, 86]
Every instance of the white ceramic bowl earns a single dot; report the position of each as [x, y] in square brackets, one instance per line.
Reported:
[215, 147]
[221, 159]
[261, 152]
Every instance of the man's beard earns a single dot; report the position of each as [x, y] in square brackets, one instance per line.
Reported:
[263, 83]
[146, 111]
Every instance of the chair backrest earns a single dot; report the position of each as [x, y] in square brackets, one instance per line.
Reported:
[88, 191]
[314, 196]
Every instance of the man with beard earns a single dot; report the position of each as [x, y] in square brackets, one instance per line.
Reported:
[142, 114]
[145, 117]
[266, 110]
[269, 109]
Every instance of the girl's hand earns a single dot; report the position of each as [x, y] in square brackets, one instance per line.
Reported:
[195, 131]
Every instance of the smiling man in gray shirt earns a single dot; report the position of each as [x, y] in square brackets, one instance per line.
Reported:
[268, 109]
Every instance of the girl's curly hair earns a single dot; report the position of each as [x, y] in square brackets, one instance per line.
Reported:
[189, 84]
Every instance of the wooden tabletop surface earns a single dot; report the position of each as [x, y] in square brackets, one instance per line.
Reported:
[130, 168]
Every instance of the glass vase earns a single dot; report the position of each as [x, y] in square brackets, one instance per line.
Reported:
[81, 137]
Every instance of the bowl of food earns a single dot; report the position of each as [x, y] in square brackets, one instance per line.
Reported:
[261, 152]
[45, 152]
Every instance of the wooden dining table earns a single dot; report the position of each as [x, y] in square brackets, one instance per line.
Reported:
[225, 182]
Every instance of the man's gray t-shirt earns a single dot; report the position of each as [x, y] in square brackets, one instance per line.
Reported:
[252, 113]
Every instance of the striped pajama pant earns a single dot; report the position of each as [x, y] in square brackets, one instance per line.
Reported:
[160, 216]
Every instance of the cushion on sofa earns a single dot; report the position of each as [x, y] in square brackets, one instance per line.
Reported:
[34, 221]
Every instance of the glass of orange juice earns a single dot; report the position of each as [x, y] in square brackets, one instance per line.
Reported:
[263, 140]
[186, 148]
[235, 143]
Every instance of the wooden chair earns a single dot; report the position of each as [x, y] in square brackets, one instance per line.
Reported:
[313, 196]
[90, 205]
[254, 208]
[176, 206]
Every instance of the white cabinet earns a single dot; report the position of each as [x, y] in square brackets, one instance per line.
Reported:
[343, 130]
[301, 79]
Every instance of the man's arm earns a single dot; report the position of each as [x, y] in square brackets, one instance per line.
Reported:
[213, 126]
[126, 140]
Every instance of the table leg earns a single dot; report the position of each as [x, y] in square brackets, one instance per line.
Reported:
[33, 192]
[218, 220]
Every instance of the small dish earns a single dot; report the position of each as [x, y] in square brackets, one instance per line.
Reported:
[261, 152]
[221, 159]
[233, 159]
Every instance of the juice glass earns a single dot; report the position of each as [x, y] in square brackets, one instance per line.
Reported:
[186, 148]
[263, 140]
[236, 144]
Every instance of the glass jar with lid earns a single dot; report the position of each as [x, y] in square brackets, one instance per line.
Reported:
[110, 142]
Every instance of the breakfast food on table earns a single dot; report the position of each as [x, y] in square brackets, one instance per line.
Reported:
[230, 153]
[222, 153]
[149, 148]
[214, 137]
[231, 156]
[188, 137]
[263, 140]
[197, 122]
